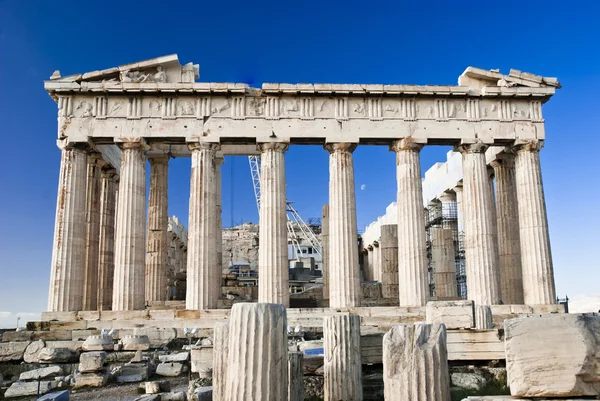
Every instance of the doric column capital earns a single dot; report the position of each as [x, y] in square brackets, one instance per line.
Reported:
[447, 196]
[504, 159]
[533, 145]
[132, 143]
[340, 147]
[219, 159]
[276, 146]
[370, 248]
[376, 244]
[407, 143]
[472, 148]
[214, 147]
[109, 173]
[67, 144]
[95, 158]
[162, 159]
[458, 188]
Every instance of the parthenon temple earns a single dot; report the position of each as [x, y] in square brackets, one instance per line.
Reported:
[111, 248]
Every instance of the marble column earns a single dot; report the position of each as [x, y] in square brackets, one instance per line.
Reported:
[412, 252]
[481, 246]
[273, 279]
[92, 229]
[257, 365]
[507, 217]
[376, 268]
[220, 356]
[68, 249]
[325, 250]
[219, 229]
[295, 376]
[130, 247]
[443, 263]
[460, 220]
[202, 246]
[389, 261]
[370, 262]
[106, 255]
[158, 221]
[342, 368]
[344, 271]
[536, 256]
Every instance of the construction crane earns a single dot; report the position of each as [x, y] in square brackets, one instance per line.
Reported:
[293, 217]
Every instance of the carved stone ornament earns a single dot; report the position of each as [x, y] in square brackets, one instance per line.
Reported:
[143, 76]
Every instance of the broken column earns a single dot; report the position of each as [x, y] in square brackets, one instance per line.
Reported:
[130, 255]
[412, 255]
[220, 356]
[202, 248]
[325, 250]
[344, 272]
[507, 217]
[536, 257]
[295, 376]
[219, 229]
[92, 228]
[273, 280]
[415, 363]
[158, 216]
[68, 250]
[106, 243]
[443, 263]
[257, 366]
[481, 246]
[389, 261]
[342, 360]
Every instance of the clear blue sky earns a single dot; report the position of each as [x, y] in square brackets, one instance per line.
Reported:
[421, 42]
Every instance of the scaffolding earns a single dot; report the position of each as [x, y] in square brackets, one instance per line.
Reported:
[444, 215]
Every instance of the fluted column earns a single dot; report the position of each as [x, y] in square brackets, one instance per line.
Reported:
[342, 368]
[92, 229]
[106, 256]
[443, 263]
[481, 249]
[273, 280]
[460, 219]
[370, 263]
[158, 221]
[130, 252]
[325, 250]
[257, 367]
[344, 271]
[376, 268]
[202, 246]
[389, 260]
[68, 249]
[295, 376]
[536, 256]
[220, 356]
[219, 228]
[412, 256]
[507, 215]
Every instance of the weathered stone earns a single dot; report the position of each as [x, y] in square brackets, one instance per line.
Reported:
[342, 363]
[295, 376]
[220, 355]
[170, 369]
[73, 346]
[91, 379]
[178, 357]
[553, 356]
[415, 363]
[174, 396]
[13, 351]
[92, 361]
[443, 262]
[202, 361]
[257, 363]
[135, 343]
[452, 314]
[389, 261]
[55, 355]
[469, 381]
[22, 389]
[43, 373]
[206, 394]
[149, 397]
[20, 335]
[33, 350]
[55, 396]
[158, 337]
[106, 243]
[152, 387]
[132, 372]
[100, 342]
[483, 317]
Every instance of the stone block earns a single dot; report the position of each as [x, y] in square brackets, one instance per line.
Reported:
[92, 361]
[13, 351]
[22, 389]
[159, 337]
[483, 317]
[100, 342]
[203, 394]
[32, 351]
[202, 361]
[452, 314]
[124, 315]
[55, 396]
[59, 316]
[468, 381]
[88, 315]
[152, 387]
[174, 396]
[78, 325]
[553, 355]
[51, 335]
[178, 357]
[73, 346]
[21, 335]
[135, 343]
[169, 369]
[55, 355]
[82, 335]
[168, 314]
[43, 373]
[132, 372]
[91, 379]
[149, 397]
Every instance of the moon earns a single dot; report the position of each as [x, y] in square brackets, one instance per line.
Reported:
[362, 187]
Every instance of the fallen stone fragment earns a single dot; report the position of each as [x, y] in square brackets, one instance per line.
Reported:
[453, 314]
[175, 396]
[151, 388]
[55, 396]
[33, 350]
[22, 389]
[55, 355]
[92, 361]
[203, 393]
[13, 351]
[149, 397]
[170, 369]
[101, 342]
[178, 357]
[43, 373]
[92, 379]
[158, 337]
[131, 373]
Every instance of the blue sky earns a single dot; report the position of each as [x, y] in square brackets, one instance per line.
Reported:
[424, 42]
